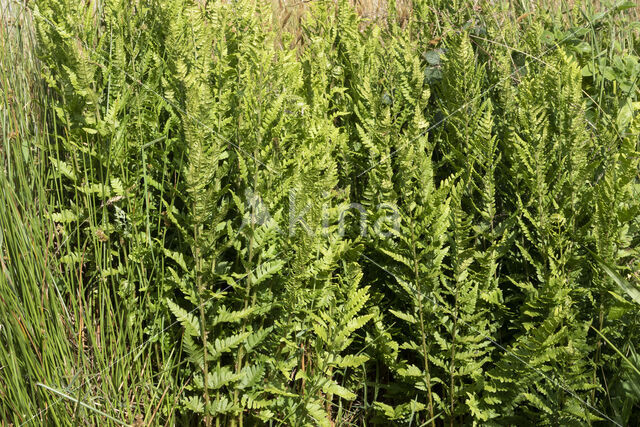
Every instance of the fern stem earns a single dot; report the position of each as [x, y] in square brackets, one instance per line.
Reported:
[453, 358]
[203, 329]
[453, 339]
[598, 349]
[422, 331]
[249, 294]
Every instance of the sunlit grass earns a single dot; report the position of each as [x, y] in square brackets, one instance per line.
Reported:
[56, 330]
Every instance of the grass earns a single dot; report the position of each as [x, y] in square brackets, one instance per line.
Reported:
[68, 350]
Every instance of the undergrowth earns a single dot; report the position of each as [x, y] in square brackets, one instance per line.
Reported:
[212, 215]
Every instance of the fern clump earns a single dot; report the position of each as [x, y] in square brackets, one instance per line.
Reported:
[415, 219]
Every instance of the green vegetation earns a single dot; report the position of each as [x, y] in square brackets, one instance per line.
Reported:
[233, 213]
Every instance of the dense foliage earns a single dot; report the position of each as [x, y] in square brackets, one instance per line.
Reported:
[431, 219]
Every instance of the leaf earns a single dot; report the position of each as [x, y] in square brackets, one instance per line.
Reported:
[250, 375]
[224, 345]
[65, 216]
[625, 5]
[318, 413]
[178, 257]
[251, 402]
[222, 405]
[583, 47]
[608, 73]
[195, 404]
[404, 316]
[432, 74]
[387, 410]
[256, 338]
[625, 286]
[588, 70]
[625, 114]
[351, 360]
[186, 319]
[117, 186]
[433, 57]
[63, 168]
[332, 387]
[265, 271]
[219, 378]
[225, 316]
[633, 366]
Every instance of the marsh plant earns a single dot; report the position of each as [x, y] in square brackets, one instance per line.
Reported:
[246, 213]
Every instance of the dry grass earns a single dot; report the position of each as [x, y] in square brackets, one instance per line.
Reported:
[288, 15]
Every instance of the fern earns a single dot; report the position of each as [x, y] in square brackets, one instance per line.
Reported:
[357, 221]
